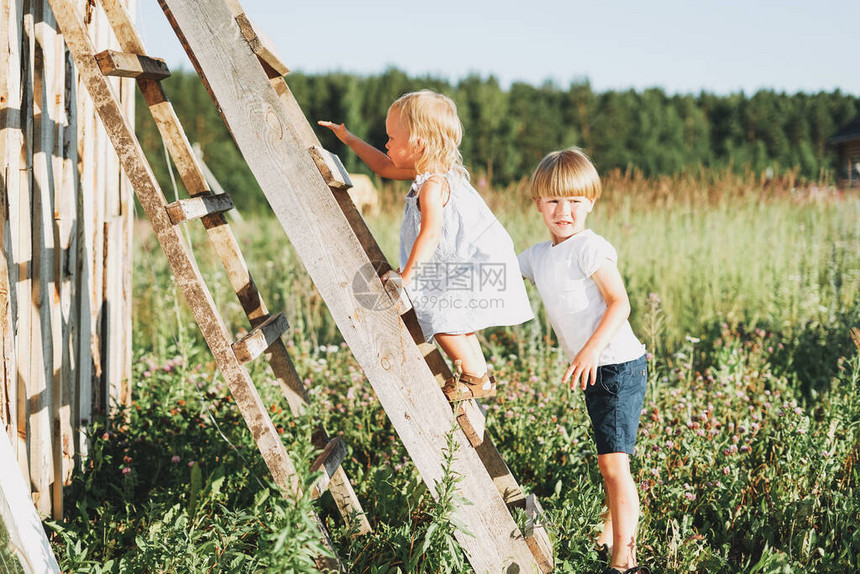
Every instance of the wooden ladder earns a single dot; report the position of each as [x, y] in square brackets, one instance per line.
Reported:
[266, 328]
[306, 187]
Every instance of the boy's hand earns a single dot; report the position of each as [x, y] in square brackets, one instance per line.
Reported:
[339, 130]
[583, 369]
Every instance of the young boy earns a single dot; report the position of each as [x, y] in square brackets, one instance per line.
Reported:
[584, 295]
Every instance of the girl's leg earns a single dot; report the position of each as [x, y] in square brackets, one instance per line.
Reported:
[466, 349]
[623, 507]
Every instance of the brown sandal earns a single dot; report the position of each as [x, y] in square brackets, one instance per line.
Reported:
[469, 387]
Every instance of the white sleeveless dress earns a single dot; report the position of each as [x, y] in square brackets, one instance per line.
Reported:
[473, 279]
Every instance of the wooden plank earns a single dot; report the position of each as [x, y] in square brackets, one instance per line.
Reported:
[66, 220]
[182, 264]
[123, 332]
[40, 382]
[112, 313]
[472, 420]
[536, 535]
[331, 168]
[197, 207]
[53, 121]
[11, 141]
[26, 534]
[328, 462]
[125, 65]
[260, 44]
[20, 223]
[309, 213]
[260, 338]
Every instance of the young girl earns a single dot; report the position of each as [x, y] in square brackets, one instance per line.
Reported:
[457, 262]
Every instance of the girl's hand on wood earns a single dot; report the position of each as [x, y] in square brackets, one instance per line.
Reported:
[339, 130]
[583, 369]
[393, 276]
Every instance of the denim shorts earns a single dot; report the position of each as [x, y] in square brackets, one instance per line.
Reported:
[614, 404]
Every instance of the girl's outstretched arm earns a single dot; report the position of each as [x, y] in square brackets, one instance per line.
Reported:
[375, 159]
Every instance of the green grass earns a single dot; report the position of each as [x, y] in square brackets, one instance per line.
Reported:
[747, 450]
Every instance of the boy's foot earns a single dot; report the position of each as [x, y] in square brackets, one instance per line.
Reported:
[603, 552]
[634, 570]
[469, 387]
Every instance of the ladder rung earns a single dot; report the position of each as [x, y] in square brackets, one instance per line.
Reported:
[398, 296]
[536, 536]
[473, 421]
[260, 44]
[197, 207]
[260, 338]
[331, 168]
[125, 65]
[328, 461]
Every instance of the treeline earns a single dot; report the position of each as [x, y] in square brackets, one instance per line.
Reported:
[507, 131]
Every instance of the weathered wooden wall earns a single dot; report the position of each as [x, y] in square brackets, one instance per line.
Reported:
[65, 290]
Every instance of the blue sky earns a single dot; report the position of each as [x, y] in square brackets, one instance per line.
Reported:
[681, 46]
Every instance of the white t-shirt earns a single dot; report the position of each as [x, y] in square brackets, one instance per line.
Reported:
[562, 274]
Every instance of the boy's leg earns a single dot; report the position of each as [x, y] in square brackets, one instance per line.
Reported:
[623, 507]
[466, 349]
[606, 537]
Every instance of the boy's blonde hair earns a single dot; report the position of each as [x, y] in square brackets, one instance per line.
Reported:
[566, 173]
[434, 129]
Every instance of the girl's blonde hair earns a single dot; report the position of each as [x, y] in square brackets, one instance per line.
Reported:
[434, 130]
[565, 173]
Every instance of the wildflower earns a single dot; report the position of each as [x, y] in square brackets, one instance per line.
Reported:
[690, 496]
[191, 463]
[693, 340]
[726, 471]
[126, 470]
[175, 459]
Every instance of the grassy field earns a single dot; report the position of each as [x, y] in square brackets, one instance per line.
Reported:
[745, 292]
